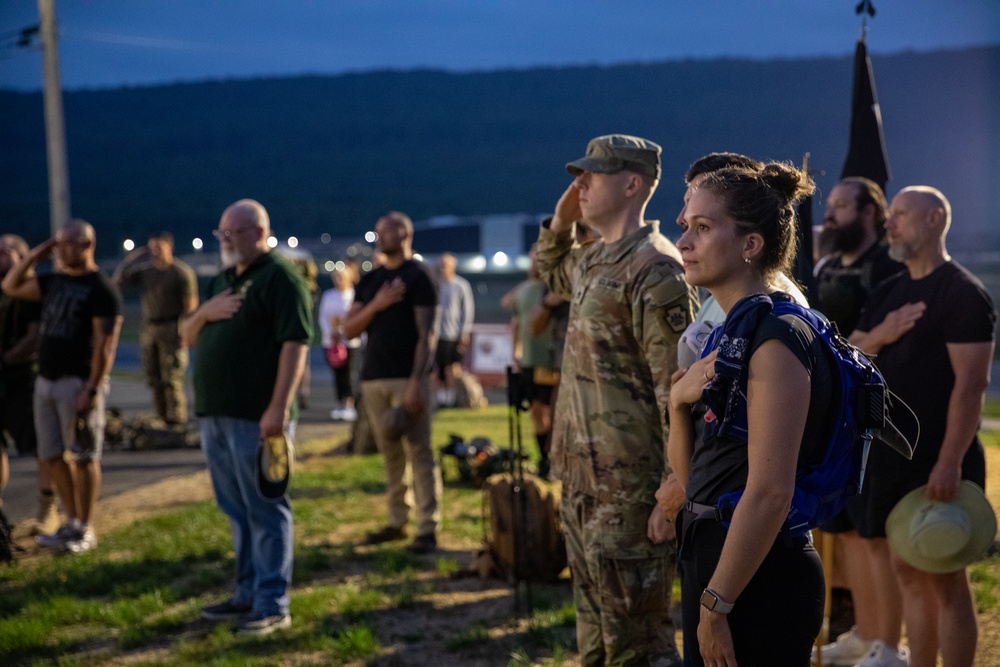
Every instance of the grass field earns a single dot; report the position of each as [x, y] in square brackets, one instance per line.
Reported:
[135, 600]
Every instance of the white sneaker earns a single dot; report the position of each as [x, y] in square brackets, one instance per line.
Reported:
[846, 651]
[86, 542]
[349, 415]
[883, 655]
[60, 538]
[336, 414]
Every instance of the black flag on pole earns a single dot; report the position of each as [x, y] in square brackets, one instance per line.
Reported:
[866, 153]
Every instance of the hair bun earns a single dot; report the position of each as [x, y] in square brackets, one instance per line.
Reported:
[793, 183]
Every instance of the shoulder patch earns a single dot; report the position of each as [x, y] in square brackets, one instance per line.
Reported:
[677, 319]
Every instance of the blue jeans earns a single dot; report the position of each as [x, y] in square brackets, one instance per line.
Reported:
[262, 529]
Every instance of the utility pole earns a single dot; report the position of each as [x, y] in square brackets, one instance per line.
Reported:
[55, 130]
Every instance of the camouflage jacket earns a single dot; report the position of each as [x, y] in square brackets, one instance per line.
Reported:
[629, 307]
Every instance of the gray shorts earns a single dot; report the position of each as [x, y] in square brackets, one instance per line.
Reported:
[56, 419]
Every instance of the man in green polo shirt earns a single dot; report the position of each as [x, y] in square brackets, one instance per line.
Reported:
[251, 336]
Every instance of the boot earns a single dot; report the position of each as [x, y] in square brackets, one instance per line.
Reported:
[48, 521]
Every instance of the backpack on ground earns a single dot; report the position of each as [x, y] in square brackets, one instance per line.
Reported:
[859, 397]
[538, 553]
[478, 459]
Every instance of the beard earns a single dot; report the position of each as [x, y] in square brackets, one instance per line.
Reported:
[847, 238]
[900, 252]
[230, 258]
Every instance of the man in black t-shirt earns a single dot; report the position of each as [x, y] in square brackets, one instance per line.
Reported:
[18, 367]
[854, 218]
[396, 304]
[932, 328]
[81, 318]
[855, 212]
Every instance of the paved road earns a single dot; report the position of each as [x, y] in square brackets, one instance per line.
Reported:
[127, 470]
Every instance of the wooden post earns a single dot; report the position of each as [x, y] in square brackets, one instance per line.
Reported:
[55, 131]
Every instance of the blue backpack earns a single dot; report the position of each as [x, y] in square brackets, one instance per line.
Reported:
[859, 397]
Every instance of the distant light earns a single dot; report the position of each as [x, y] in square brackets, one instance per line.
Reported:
[417, 256]
[340, 266]
[272, 242]
[352, 251]
[370, 237]
[129, 245]
[329, 265]
[197, 244]
[523, 262]
[324, 237]
[366, 265]
[477, 263]
[293, 242]
[500, 258]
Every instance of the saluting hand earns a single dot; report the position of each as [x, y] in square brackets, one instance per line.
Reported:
[568, 209]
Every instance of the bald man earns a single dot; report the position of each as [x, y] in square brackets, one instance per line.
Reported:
[932, 327]
[81, 319]
[251, 334]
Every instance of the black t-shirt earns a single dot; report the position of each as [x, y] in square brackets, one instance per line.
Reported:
[69, 304]
[917, 367]
[720, 465]
[841, 291]
[16, 316]
[392, 334]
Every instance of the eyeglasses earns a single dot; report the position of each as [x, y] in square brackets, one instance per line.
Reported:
[226, 234]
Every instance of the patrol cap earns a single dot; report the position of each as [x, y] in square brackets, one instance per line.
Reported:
[616, 152]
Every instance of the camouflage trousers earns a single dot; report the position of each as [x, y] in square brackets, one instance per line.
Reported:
[621, 584]
[164, 360]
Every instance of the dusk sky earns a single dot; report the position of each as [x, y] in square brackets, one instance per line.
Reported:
[110, 43]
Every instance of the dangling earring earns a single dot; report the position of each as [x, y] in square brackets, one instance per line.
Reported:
[746, 260]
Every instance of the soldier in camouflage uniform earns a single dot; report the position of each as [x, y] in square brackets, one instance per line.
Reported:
[168, 291]
[629, 306]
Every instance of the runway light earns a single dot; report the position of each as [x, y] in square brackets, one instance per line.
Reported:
[197, 244]
[500, 258]
[340, 266]
[371, 237]
[293, 242]
[129, 245]
[329, 265]
[477, 263]
[324, 238]
[272, 242]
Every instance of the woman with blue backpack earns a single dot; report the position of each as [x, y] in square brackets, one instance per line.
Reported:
[743, 420]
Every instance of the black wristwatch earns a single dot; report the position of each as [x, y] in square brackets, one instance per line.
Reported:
[711, 601]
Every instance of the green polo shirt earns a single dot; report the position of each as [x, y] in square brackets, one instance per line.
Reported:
[236, 360]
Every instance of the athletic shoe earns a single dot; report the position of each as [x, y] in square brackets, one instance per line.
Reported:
[349, 415]
[60, 538]
[883, 655]
[258, 624]
[86, 542]
[336, 414]
[423, 544]
[847, 651]
[386, 534]
[225, 611]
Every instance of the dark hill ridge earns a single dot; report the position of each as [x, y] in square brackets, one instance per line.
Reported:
[328, 154]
